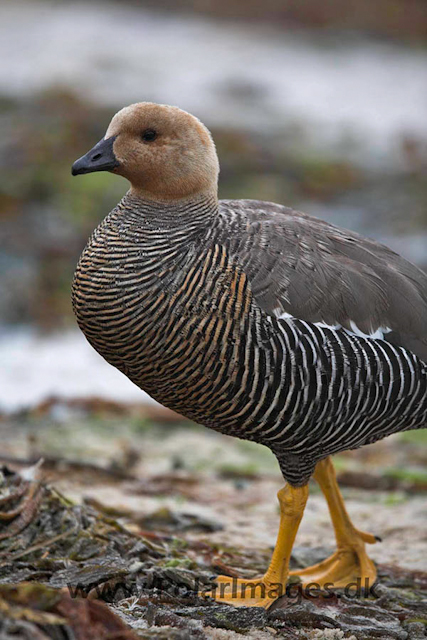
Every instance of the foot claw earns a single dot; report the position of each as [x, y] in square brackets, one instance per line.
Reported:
[347, 566]
[241, 592]
[368, 537]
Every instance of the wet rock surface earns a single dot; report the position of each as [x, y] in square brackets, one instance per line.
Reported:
[74, 569]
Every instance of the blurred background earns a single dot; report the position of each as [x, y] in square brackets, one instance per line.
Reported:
[321, 106]
[318, 105]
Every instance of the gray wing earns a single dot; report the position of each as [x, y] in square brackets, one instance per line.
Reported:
[317, 272]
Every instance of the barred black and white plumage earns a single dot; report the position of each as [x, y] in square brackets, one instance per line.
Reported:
[253, 319]
[164, 293]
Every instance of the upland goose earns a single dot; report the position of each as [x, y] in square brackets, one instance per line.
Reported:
[252, 319]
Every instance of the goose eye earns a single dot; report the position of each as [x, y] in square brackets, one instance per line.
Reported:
[149, 135]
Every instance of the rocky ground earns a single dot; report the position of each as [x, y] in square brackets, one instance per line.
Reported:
[133, 513]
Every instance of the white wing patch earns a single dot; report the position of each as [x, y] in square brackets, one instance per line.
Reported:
[378, 334]
[282, 315]
[324, 325]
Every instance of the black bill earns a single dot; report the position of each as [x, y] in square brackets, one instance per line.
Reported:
[100, 158]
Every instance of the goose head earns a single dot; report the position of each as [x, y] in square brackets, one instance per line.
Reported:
[164, 152]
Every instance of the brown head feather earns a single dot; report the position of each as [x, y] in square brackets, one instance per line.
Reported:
[180, 162]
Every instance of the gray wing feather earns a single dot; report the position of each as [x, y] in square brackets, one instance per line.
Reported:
[317, 272]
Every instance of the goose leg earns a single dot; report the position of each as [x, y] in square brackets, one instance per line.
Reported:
[350, 563]
[262, 592]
